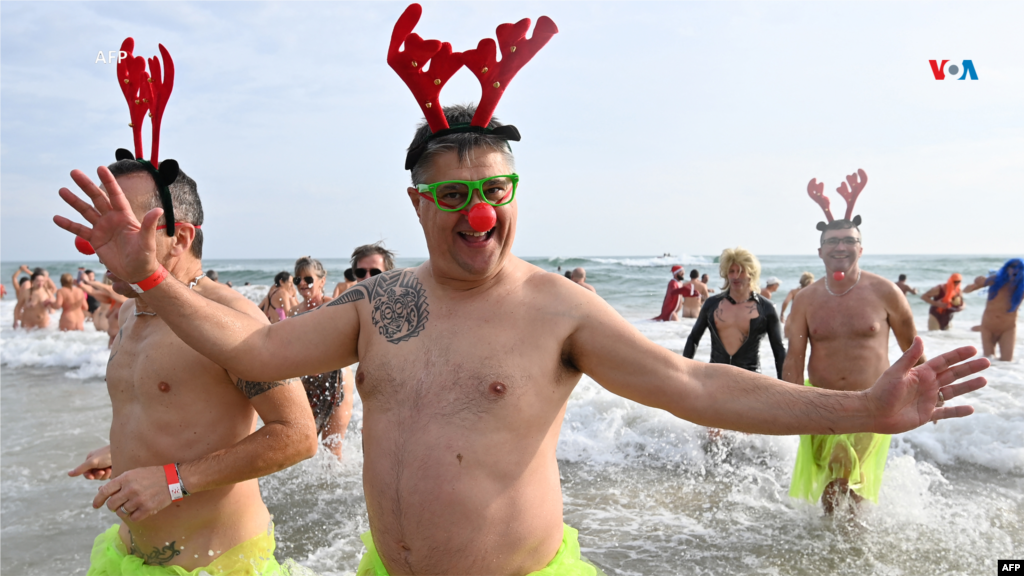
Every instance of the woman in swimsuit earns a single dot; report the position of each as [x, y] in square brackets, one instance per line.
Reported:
[806, 279]
[280, 300]
[330, 393]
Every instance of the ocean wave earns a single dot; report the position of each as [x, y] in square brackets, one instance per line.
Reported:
[85, 353]
[655, 262]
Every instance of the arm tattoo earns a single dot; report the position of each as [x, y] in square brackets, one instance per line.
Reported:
[254, 389]
[399, 303]
[353, 294]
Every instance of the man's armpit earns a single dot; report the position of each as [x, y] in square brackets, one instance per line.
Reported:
[254, 389]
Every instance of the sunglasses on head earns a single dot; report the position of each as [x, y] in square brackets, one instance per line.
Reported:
[361, 272]
[298, 280]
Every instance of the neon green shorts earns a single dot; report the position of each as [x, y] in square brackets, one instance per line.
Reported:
[860, 458]
[253, 557]
[567, 561]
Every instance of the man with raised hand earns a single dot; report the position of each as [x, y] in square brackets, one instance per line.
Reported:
[467, 363]
[184, 450]
[846, 318]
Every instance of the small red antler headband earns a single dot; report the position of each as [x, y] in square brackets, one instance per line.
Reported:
[816, 191]
[494, 76]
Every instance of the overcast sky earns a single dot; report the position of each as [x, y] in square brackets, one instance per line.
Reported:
[647, 127]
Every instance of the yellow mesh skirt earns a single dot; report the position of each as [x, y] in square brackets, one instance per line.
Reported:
[253, 557]
[860, 458]
[567, 561]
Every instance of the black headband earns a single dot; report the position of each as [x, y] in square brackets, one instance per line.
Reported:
[163, 177]
[506, 133]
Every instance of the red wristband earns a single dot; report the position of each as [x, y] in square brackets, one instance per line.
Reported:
[173, 482]
[151, 282]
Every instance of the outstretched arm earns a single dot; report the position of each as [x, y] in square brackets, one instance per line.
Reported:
[979, 283]
[697, 332]
[254, 350]
[618, 357]
[775, 339]
[785, 304]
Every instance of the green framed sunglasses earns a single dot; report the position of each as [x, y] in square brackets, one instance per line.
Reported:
[455, 195]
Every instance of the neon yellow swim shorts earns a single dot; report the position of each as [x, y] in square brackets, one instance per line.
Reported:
[253, 557]
[567, 561]
[860, 458]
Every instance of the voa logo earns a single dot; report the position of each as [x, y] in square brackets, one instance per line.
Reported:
[940, 70]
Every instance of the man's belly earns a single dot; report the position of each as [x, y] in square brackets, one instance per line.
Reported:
[848, 366]
[457, 501]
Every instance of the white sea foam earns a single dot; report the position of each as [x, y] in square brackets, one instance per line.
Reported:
[658, 261]
[84, 353]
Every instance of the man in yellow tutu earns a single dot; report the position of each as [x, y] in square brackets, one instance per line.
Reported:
[846, 317]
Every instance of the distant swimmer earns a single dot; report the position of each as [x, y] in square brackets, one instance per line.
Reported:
[771, 287]
[670, 305]
[185, 450]
[704, 281]
[349, 281]
[999, 322]
[329, 393]
[22, 288]
[738, 317]
[70, 299]
[846, 317]
[278, 302]
[694, 294]
[945, 300]
[906, 288]
[35, 312]
[579, 276]
[212, 275]
[805, 280]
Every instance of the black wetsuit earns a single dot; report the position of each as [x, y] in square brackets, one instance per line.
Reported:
[767, 322]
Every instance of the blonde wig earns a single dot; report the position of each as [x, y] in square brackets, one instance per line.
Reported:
[745, 260]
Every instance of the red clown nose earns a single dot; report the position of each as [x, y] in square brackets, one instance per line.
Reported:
[482, 217]
[83, 246]
[838, 276]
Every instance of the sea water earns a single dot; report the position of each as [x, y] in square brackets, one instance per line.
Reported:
[648, 492]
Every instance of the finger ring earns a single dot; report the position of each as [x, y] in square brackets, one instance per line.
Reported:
[123, 511]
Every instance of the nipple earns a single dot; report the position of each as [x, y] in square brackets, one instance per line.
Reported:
[482, 217]
[497, 388]
[838, 276]
[84, 246]
[164, 387]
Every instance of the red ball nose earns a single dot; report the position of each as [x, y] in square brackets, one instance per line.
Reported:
[838, 276]
[83, 246]
[482, 217]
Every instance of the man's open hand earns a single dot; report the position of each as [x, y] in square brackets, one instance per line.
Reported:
[905, 397]
[97, 465]
[125, 246]
[142, 492]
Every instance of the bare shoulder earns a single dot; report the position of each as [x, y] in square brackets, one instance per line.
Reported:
[885, 289]
[229, 297]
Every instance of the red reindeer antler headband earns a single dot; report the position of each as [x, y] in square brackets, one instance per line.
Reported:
[816, 191]
[494, 76]
[149, 92]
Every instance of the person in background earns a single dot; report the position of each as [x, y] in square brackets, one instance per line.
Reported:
[999, 321]
[341, 287]
[370, 260]
[946, 300]
[771, 286]
[704, 281]
[329, 393]
[694, 294]
[35, 312]
[278, 302]
[105, 317]
[22, 286]
[579, 276]
[70, 299]
[670, 305]
[902, 284]
[212, 275]
[806, 279]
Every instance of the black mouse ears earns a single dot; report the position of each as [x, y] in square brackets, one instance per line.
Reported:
[163, 177]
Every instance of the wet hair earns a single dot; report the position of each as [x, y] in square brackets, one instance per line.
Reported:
[350, 276]
[371, 249]
[806, 279]
[310, 262]
[464, 144]
[694, 274]
[23, 279]
[67, 280]
[842, 224]
[746, 261]
[568, 275]
[281, 277]
[38, 272]
[212, 275]
[184, 195]
[903, 277]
